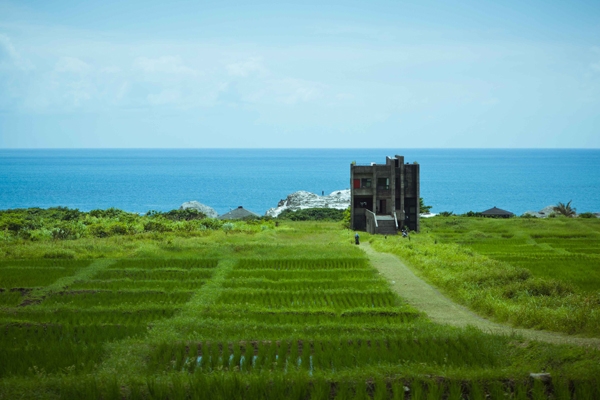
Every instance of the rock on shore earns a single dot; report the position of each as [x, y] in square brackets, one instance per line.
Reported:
[543, 213]
[203, 208]
[340, 199]
[547, 211]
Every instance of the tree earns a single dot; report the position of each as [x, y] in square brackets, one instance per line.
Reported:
[565, 209]
[422, 207]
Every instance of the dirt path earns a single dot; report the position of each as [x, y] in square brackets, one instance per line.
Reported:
[442, 310]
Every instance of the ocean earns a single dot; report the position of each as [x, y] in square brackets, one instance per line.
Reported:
[139, 180]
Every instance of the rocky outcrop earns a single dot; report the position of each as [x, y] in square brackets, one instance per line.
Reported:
[543, 213]
[340, 199]
[204, 209]
[547, 211]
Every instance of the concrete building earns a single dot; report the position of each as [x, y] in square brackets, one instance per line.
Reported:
[385, 198]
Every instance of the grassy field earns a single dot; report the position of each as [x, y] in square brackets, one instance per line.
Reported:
[535, 273]
[291, 312]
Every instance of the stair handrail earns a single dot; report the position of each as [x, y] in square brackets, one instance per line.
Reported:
[374, 217]
[396, 220]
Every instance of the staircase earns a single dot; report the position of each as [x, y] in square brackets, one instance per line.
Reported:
[386, 225]
[381, 224]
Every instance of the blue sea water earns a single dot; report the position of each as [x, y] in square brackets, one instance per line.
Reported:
[139, 180]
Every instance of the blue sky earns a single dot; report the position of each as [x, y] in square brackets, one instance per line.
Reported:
[379, 74]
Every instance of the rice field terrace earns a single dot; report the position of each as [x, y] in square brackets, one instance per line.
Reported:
[533, 273]
[296, 312]
[564, 249]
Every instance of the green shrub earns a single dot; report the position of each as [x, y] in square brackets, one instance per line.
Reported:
[587, 215]
[211, 223]
[527, 215]
[181, 215]
[313, 214]
[157, 226]
[60, 253]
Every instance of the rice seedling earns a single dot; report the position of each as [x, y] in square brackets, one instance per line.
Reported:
[306, 264]
[30, 277]
[303, 284]
[316, 275]
[44, 263]
[165, 264]
[131, 284]
[25, 349]
[78, 317]
[86, 299]
[154, 274]
[10, 298]
[334, 299]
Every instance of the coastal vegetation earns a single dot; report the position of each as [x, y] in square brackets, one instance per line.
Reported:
[565, 209]
[312, 214]
[262, 311]
[61, 223]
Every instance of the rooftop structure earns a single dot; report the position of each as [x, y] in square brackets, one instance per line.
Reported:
[239, 213]
[385, 198]
[497, 212]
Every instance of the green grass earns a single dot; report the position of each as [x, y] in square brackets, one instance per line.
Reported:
[530, 273]
[558, 248]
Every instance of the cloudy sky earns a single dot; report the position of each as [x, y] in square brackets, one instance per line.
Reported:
[299, 74]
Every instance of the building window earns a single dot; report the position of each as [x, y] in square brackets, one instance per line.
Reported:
[365, 182]
[383, 183]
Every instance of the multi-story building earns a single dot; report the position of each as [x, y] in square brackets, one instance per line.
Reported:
[385, 198]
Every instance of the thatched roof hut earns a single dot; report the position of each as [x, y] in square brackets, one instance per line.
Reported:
[239, 213]
[497, 213]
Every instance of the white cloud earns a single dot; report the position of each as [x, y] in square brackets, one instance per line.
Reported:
[123, 90]
[164, 97]
[111, 70]
[345, 96]
[9, 53]
[246, 68]
[72, 64]
[77, 93]
[292, 91]
[166, 65]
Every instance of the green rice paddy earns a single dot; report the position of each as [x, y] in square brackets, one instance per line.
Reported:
[295, 312]
[565, 249]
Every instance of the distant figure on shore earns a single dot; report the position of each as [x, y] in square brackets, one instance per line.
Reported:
[356, 238]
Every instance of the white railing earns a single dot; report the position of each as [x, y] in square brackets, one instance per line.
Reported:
[396, 220]
[373, 216]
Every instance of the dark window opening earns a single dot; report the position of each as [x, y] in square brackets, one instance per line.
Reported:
[365, 182]
[364, 202]
[383, 183]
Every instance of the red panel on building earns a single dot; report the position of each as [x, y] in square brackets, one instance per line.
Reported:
[357, 184]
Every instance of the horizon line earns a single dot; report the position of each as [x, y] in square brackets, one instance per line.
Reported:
[299, 148]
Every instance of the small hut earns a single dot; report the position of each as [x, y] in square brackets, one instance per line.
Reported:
[496, 212]
[239, 213]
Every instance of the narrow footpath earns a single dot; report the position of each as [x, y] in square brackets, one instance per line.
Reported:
[442, 310]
